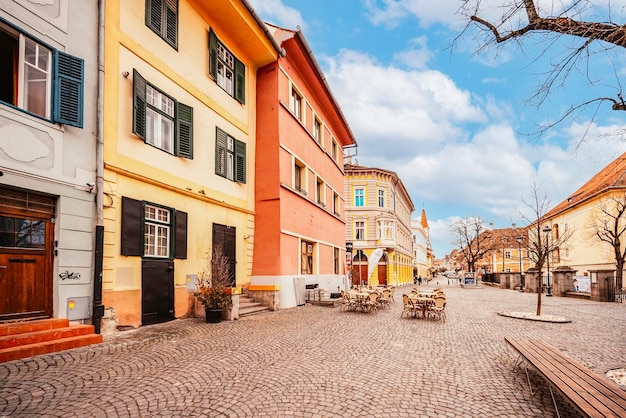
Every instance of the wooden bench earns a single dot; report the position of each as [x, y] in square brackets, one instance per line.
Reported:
[591, 394]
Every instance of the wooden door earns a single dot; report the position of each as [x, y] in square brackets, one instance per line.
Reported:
[157, 291]
[25, 265]
[382, 274]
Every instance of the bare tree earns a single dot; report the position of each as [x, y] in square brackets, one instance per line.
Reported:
[608, 224]
[540, 244]
[470, 240]
[519, 19]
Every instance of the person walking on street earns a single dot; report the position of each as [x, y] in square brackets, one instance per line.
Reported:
[419, 280]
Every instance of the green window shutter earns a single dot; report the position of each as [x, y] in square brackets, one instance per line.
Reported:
[220, 152]
[171, 22]
[212, 54]
[240, 81]
[68, 89]
[139, 105]
[184, 131]
[240, 162]
[154, 15]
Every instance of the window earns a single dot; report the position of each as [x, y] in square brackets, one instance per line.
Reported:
[359, 230]
[230, 157]
[160, 120]
[306, 256]
[157, 232]
[359, 197]
[22, 233]
[296, 104]
[385, 230]
[150, 230]
[507, 255]
[317, 130]
[299, 177]
[335, 203]
[228, 72]
[334, 151]
[320, 192]
[40, 80]
[381, 198]
[162, 18]
[336, 258]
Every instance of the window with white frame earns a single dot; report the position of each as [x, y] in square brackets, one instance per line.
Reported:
[381, 198]
[157, 232]
[385, 230]
[317, 130]
[320, 189]
[160, 120]
[333, 151]
[335, 203]
[40, 80]
[230, 157]
[296, 104]
[359, 197]
[299, 177]
[507, 255]
[306, 257]
[359, 230]
[228, 72]
[336, 258]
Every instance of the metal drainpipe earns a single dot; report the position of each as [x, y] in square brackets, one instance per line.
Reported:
[98, 307]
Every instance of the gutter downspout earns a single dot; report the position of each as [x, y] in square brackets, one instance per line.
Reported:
[98, 308]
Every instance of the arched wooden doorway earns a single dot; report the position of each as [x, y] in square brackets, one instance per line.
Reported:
[359, 269]
[382, 270]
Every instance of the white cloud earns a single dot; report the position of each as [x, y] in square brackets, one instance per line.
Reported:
[391, 12]
[279, 14]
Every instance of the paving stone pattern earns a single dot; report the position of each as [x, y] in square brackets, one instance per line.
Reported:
[314, 361]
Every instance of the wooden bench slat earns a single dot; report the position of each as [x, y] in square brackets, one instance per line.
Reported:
[603, 385]
[588, 392]
[573, 388]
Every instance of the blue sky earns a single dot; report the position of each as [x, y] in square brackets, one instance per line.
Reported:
[455, 123]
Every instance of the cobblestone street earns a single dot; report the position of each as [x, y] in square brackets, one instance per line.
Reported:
[314, 361]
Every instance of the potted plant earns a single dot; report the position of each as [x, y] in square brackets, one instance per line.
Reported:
[213, 286]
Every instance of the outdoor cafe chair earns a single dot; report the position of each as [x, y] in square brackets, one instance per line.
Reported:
[437, 308]
[409, 307]
[371, 303]
[385, 299]
[346, 301]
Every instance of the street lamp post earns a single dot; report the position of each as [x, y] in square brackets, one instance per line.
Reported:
[547, 230]
[519, 239]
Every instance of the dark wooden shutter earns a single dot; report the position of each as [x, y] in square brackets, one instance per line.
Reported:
[240, 162]
[240, 81]
[220, 152]
[139, 105]
[68, 89]
[184, 131]
[171, 22]
[225, 236]
[212, 54]
[180, 249]
[154, 15]
[132, 228]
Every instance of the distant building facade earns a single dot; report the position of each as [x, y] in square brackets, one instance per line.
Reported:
[378, 224]
[423, 255]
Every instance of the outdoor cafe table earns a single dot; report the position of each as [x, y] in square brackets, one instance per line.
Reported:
[360, 297]
[423, 302]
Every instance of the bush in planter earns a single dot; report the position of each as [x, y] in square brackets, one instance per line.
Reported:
[213, 282]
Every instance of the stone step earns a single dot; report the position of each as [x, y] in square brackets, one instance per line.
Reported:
[253, 310]
[43, 336]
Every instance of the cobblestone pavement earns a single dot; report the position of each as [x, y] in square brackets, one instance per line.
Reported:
[313, 361]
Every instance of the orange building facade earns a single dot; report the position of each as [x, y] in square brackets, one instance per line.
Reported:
[299, 227]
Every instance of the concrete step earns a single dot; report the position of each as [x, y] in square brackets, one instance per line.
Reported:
[32, 338]
[252, 310]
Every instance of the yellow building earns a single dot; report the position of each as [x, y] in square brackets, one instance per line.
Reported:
[179, 147]
[378, 213]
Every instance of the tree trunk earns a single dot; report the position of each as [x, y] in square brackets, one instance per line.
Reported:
[539, 287]
[618, 274]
